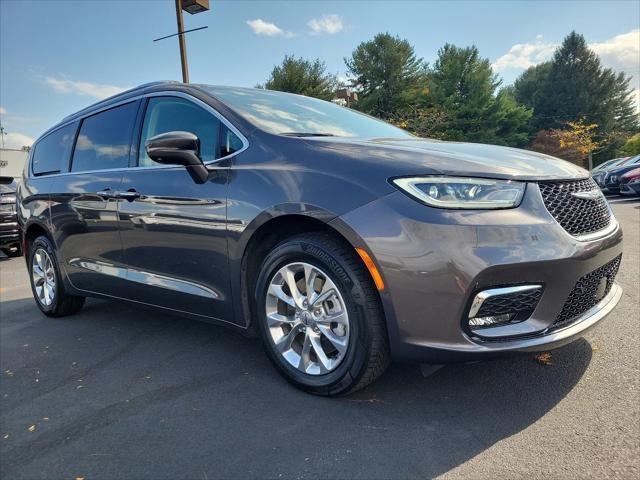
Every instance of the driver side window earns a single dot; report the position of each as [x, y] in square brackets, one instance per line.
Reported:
[166, 114]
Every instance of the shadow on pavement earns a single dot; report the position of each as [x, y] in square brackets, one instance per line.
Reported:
[166, 397]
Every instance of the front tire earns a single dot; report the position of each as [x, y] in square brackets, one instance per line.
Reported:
[320, 316]
[46, 281]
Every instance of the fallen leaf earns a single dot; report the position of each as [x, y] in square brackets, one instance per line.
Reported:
[544, 358]
[32, 428]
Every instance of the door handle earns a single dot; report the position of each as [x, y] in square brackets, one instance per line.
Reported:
[106, 193]
[129, 195]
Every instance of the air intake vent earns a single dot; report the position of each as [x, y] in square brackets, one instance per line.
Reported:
[589, 290]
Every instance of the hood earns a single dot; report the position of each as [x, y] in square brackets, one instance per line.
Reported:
[623, 169]
[422, 156]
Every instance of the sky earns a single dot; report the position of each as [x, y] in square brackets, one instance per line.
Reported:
[57, 57]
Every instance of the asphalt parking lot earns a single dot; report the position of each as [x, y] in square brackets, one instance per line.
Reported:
[122, 392]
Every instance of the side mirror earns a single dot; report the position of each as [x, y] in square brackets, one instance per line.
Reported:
[178, 148]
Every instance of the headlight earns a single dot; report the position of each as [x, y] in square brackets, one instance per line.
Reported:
[463, 193]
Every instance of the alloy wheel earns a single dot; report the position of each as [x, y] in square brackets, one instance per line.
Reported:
[307, 318]
[44, 277]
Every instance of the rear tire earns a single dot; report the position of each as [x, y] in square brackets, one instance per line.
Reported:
[46, 281]
[340, 356]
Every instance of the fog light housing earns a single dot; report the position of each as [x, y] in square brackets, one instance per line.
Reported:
[497, 307]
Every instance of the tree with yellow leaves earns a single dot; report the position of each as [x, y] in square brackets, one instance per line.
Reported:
[576, 142]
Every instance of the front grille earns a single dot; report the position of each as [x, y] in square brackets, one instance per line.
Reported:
[520, 303]
[585, 294]
[578, 216]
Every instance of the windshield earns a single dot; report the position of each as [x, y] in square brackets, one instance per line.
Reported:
[289, 114]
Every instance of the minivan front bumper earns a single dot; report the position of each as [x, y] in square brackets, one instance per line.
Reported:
[434, 262]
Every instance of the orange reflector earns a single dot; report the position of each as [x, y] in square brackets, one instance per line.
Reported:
[373, 270]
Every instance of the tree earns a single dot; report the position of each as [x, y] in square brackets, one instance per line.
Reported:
[631, 147]
[463, 86]
[386, 74]
[529, 89]
[575, 142]
[304, 77]
[575, 85]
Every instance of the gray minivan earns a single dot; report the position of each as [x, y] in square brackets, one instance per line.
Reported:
[341, 240]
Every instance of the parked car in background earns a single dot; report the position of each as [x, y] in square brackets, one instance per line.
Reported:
[9, 228]
[341, 240]
[609, 163]
[630, 182]
[612, 178]
[600, 172]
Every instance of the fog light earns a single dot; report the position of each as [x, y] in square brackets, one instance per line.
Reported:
[501, 306]
[490, 321]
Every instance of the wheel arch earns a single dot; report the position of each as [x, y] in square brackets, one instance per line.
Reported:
[31, 231]
[274, 230]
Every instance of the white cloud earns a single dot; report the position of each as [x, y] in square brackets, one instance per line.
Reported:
[2, 110]
[329, 24]
[17, 140]
[622, 52]
[636, 98]
[260, 27]
[524, 55]
[62, 85]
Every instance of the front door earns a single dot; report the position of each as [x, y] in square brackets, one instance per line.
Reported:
[173, 229]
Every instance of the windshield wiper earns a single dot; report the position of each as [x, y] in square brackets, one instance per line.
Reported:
[307, 134]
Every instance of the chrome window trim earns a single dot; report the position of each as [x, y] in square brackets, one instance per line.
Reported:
[163, 93]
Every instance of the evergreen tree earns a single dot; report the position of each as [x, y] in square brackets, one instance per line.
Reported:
[304, 77]
[463, 85]
[386, 74]
[575, 86]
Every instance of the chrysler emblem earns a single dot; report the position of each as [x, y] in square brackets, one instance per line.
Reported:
[588, 195]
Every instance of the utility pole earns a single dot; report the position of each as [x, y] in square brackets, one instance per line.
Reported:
[183, 42]
[192, 7]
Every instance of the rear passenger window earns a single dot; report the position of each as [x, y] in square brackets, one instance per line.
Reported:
[51, 153]
[104, 140]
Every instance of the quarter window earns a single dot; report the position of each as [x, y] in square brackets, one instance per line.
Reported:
[104, 140]
[51, 153]
[168, 114]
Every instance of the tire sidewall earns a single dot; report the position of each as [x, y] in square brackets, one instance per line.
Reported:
[45, 244]
[316, 254]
